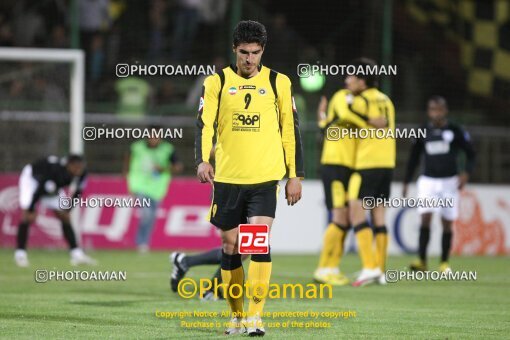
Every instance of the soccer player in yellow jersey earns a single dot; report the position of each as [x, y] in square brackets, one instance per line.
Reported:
[249, 110]
[375, 160]
[337, 162]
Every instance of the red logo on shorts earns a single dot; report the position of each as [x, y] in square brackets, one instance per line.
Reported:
[253, 239]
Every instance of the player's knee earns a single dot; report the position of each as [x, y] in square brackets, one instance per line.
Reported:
[340, 221]
[29, 217]
[64, 217]
[447, 228]
[356, 212]
[426, 218]
[228, 249]
[229, 241]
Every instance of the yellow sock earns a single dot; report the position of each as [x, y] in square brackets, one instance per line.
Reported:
[381, 247]
[259, 274]
[365, 239]
[231, 277]
[336, 256]
[332, 239]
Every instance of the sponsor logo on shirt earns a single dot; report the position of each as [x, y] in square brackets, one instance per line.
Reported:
[248, 121]
[247, 87]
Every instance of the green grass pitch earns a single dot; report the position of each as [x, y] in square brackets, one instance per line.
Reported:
[411, 310]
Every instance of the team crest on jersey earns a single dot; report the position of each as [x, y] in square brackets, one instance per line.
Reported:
[247, 87]
[232, 90]
[447, 135]
[201, 105]
[262, 91]
[294, 105]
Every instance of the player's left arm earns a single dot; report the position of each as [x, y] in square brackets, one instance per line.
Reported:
[464, 142]
[381, 113]
[291, 139]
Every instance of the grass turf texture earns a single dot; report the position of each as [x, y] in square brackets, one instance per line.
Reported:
[127, 309]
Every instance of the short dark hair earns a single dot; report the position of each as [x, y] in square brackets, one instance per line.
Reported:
[440, 100]
[250, 31]
[154, 127]
[75, 158]
[371, 80]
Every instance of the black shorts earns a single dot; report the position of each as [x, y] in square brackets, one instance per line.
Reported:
[233, 203]
[335, 179]
[371, 183]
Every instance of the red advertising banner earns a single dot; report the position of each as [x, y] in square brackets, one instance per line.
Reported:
[180, 223]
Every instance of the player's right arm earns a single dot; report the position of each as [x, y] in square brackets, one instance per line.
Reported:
[207, 113]
[321, 110]
[360, 116]
[326, 114]
[333, 115]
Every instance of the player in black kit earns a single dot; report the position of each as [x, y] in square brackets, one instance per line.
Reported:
[43, 182]
[440, 178]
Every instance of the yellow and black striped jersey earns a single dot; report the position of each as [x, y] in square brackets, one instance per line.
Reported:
[335, 150]
[373, 152]
[254, 122]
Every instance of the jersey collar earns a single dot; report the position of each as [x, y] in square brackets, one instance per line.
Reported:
[234, 69]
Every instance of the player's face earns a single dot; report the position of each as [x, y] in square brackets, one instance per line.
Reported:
[248, 57]
[354, 84]
[76, 168]
[436, 112]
